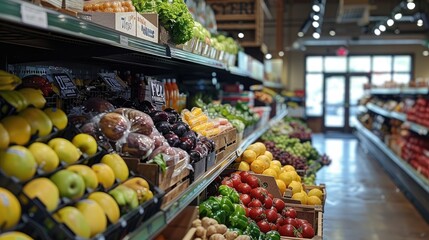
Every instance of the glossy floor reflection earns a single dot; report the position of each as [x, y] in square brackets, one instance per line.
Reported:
[362, 201]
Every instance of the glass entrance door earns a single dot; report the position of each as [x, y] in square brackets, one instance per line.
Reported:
[341, 97]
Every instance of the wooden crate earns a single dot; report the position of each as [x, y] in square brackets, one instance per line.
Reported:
[153, 173]
[181, 226]
[313, 215]
[225, 139]
[172, 193]
[287, 197]
[228, 150]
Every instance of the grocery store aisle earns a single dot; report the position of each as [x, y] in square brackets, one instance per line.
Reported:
[362, 201]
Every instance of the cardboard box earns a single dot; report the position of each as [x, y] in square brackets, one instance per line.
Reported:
[122, 21]
[147, 27]
[181, 225]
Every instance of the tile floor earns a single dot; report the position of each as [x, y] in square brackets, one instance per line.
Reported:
[362, 201]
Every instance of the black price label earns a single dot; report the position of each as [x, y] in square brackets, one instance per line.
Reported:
[112, 82]
[157, 92]
[66, 85]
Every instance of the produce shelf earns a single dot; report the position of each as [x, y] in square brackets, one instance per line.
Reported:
[273, 85]
[158, 222]
[395, 91]
[422, 130]
[408, 179]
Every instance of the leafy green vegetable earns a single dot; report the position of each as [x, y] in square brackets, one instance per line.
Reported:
[145, 6]
[159, 159]
[176, 18]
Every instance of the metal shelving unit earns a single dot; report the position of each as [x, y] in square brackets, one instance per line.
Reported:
[158, 222]
[408, 179]
[396, 91]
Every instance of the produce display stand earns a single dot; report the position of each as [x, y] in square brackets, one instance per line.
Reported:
[407, 178]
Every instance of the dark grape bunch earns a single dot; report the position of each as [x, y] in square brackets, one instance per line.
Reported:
[299, 163]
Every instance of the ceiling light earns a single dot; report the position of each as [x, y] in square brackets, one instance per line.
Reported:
[316, 17]
[390, 22]
[241, 35]
[420, 22]
[316, 8]
[316, 35]
[397, 31]
[300, 34]
[332, 33]
[377, 31]
[398, 16]
[268, 56]
[425, 53]
[411, 5]
[281, 54]
[382, 28]
[315, 24]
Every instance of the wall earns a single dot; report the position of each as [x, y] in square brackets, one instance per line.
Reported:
[295, 60]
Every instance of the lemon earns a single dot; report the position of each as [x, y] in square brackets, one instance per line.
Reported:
[297, 178]
[254, 148]
[300, 196]
[270, 172]
[316, 192]
[277, 163]
[288, 168]
[276, 168]
[248, 156]
[243, 166]
[313, 200]
[266, 161]
[281, 185]
[269, 155]
[257, 166]
[261, 147]
[295, 186]
[286, 177]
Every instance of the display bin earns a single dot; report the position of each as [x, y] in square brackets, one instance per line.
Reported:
[211, 160]
[31, 228]
[314, 216]
[224, 139]
[153, 172]
[175, 191]
[198, 169]
[181, 226]
[287, 197]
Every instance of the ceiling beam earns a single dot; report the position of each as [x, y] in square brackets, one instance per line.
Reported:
[279, 24]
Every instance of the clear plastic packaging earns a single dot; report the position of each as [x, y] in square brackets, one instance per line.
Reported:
[109, 6]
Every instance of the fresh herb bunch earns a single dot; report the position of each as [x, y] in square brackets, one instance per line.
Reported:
[176, 18]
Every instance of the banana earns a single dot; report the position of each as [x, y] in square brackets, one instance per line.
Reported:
[7, 87]
[33, 97]
[11, 99]
[9, 79]
[23, 104]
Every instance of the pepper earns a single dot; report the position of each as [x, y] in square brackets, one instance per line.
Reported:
[226, 205]
[205, 209]
[234, 196]
[238, 209]
[253, 230]
[214, 203]
[238, 221]
[262, 236]
[224, 190]
[272, 235]
[229, 192]
[220, 216]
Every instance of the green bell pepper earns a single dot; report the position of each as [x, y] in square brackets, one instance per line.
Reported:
[272, 235]
[220, 216]
[253, 230]
[205, 209]
[229, 192]
[238, 221]
[262, 236]
[214, 203]
[238, 209]
[226, 205]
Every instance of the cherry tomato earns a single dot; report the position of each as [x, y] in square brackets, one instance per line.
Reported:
[245, 199]
[271, 215]
[278, 204]
[286, 230]
[307, 231]
[253, 181]
[273, 226]
[228, 182]
[257, 214]
[244, 175]
[244, 188]
[236, 179]
[255, 203]
[292, 222]
[289, 212]
[301, 222]
[268, 202]
[258, 194]
[264, 226]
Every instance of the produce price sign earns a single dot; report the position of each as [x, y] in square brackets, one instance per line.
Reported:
[113, 82]
[155, 93]
[64, 83]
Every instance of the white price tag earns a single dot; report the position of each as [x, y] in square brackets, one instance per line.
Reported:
[123, 40]
[33, 15]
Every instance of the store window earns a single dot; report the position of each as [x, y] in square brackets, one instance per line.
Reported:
[379, 68]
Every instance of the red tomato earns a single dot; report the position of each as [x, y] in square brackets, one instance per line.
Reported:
[270, 195]
[257, 214]
[244, 188]
[307, 231]
[289, 212]
[255, 203]
[286, 230]
[273, 226]
[264, 226]
[280, 221]
[245, 199]
[252, 181]
[228, 182]
[278, 204]
[247, 211]
[268, 202]
[271, 215]
[236, 179]
[244, 175]
[301, 222]
[258, 194]
[292, 222]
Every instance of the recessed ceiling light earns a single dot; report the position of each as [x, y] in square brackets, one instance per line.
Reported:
[382, 28]
[411, 5]
[300, 34]
[390, 22]
[316, 8]
[241, 35]
[315, 24]
[281, 54]
[332, 33]
[397, 31]
[316, 17]
[268, 56]
[425, 53]
[316, 35]
[377, 31]
[398, 16]
[420, 22]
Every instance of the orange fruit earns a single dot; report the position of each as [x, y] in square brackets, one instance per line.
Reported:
[261, 148]
[266, 161]
[269, 154]
[270, 172]
[257, 166]
[254, 148]
[281, 185]
[248, 156]
[244, 166]
[276, 168]
[288, 168]
[286, 177]
[277, 163]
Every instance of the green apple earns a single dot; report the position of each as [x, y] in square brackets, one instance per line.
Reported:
[70, 184]
[88, 175]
